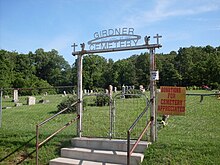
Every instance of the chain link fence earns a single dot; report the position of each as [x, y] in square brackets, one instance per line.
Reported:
[22, 109]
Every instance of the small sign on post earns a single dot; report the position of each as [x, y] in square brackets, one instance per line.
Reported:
[154, 75]
[172, 100]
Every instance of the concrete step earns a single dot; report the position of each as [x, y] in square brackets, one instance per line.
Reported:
[68, 161]
[87, 154]
[107, 144]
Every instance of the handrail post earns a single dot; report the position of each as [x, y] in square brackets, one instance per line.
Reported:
[128, 147]
[37, 141]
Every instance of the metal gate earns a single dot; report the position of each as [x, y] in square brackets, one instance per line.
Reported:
[111, 117]
[96, 116]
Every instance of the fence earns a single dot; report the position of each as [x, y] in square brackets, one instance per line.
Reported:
[22, 110]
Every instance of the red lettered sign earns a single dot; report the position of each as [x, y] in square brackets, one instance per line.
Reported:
[172, 100]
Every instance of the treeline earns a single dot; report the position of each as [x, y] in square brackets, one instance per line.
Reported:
[193, 66]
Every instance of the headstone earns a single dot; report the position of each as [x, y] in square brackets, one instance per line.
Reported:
[91, 91]
[141, 87]
[123, 92]
[31, 100]
[18, 104]
[106, 91]
[6, 97]
[110, 90]
[123, 89]
[64, 92]
[15, 98]
[85, 91]
[45, 94]
[115, 89]
[126, 88]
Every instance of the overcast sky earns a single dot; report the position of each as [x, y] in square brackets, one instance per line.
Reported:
[26, 25]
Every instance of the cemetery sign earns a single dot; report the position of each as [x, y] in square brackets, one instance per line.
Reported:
[114, 38]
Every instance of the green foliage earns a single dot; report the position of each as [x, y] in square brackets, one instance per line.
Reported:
[102, 100]
[66, 103]
[192, 66]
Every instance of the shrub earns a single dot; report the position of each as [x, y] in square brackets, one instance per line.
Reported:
[67, 103]
[102, 100]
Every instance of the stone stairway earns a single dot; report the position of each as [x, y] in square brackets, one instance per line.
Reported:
[98, 151]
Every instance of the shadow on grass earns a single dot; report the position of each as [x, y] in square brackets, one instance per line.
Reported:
[23, 156]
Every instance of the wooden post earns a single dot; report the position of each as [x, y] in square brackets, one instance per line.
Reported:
[79, 95]
[152, 97]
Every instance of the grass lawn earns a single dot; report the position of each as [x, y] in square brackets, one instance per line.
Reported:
[19, 126]
[190, 139]
[193, 139]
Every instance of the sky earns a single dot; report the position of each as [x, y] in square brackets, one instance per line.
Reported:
[26, 25]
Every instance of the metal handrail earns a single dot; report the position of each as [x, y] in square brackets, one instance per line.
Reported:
[39, 144]
[130, 151]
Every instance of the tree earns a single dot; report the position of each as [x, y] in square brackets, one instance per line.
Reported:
[52, 67]
[93, 69]
[7, 65]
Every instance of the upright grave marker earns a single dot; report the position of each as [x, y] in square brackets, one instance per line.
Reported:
[172, 100]
[15, 98]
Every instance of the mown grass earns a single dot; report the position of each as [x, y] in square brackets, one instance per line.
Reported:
[193, 139]
[190, 139]
[19, 126]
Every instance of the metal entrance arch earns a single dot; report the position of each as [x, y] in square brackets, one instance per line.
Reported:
[123, 33]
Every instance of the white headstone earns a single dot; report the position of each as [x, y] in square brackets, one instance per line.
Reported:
[85, 91]
[123, 89]
[110, 90]
[64, 92]
[15, 96]
[115, 89]
[31, 100]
